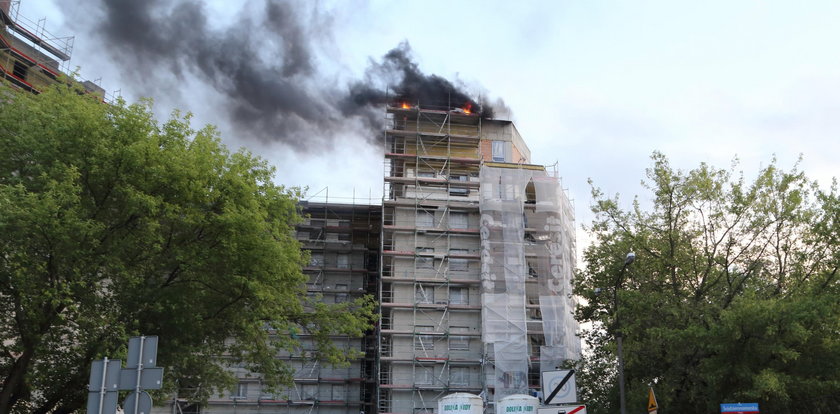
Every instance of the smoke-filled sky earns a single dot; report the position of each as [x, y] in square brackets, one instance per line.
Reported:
[592, 86]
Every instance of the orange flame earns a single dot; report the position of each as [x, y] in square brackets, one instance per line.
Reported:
[468, 108]
[405, 105]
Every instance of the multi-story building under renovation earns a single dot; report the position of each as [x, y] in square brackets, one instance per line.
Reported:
[470, 256]
[477, 258]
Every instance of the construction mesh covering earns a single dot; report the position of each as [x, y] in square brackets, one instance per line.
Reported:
[527, 232]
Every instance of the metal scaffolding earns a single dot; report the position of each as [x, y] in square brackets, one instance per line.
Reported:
[343, 242]
[430, 308]
[476, 262]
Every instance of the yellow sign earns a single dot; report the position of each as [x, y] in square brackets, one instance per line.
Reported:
[652, 406]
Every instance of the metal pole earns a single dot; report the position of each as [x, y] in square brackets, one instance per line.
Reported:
[618, 335]
[139, 372]
[102, 386]
[620, 373]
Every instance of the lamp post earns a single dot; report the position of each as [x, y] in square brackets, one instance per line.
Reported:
[618, 335]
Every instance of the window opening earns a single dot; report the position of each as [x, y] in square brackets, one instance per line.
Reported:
[425, 218]
[337, 392]
[425, 376]
[343, 261]
[309, 391]
[458, 220]
[20, 70]
[499, 151]
[459, 192]
[425, 262]
[458, 264]
[459, 296]
[424, 342]
[241, 391]
[456, 342]
[459, 376]
[424, 295]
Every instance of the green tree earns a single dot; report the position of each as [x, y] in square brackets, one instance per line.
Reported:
[733, 296]
[113, 225]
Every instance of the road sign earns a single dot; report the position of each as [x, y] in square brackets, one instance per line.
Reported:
[559, 386]
[739, 408]
[149, 346]
[108, 402]
[652, 406]
[143, 403]
[150, 378]
[108, 377]
[563, 409]
[110, 372]
[103, 386]
[140, 373]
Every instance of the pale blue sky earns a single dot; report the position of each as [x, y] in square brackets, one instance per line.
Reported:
[595, 86]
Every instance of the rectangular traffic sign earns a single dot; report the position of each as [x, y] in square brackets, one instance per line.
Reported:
[739, 408]
[559, 387]
[103, 386]
[148, 344]
[109, 373]
[102, 403]
[563, 409]
[150, 379]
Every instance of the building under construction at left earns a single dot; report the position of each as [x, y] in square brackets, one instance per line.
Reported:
[31, 58]
[343, 241]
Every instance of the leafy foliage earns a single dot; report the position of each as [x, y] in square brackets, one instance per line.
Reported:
[113, 225]
[732, 297]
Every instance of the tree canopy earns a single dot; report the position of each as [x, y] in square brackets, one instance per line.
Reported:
[113, 224]
[733, 296]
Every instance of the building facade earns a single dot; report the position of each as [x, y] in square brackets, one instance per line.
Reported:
[343, 241]
[31, 58]
[477, 259]
[470, 257]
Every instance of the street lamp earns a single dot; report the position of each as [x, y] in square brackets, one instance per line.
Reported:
[618, 335]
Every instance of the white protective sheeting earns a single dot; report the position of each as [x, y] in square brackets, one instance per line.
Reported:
[518, 244]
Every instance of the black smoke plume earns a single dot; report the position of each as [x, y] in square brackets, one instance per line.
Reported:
[263, 65]
[405, 83]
